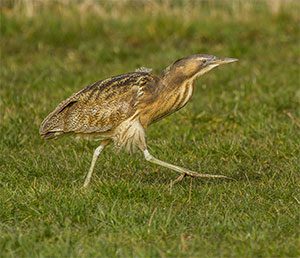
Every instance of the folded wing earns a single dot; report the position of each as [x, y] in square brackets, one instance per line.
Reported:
[97, 108]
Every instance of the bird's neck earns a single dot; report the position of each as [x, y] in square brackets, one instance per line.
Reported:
[173, 78]
[177, 93]
[169, 96]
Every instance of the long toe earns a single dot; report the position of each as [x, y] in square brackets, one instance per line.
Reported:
[195, 174]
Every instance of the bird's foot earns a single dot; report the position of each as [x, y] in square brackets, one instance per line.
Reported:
[195, 175]
[190, 173]
[178, 179]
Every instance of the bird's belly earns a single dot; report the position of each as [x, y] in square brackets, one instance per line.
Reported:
[130, 135]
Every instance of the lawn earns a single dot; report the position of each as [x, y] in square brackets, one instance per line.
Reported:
[243, 121]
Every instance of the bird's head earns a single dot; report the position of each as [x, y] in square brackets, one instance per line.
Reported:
[193, 66]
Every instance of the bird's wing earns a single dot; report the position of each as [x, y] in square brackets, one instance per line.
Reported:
[99, 107]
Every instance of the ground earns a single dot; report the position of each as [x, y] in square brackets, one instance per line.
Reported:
[243, 122]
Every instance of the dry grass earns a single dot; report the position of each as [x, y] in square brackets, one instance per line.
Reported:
[120, 8]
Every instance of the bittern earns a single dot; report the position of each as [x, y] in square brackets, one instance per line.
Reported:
[120, 109]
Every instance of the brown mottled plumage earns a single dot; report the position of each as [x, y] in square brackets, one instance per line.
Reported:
[120, 108]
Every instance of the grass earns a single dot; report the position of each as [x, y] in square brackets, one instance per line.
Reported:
[243, 121]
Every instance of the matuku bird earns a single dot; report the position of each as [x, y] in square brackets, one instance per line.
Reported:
[120, 109]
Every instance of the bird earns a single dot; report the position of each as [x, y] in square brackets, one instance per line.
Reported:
[120, 109]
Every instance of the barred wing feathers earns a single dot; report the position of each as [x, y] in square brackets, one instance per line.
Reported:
[97, 108]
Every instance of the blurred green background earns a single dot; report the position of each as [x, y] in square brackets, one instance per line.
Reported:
[243, 121]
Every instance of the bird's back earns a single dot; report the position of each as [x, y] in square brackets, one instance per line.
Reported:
[99, 107]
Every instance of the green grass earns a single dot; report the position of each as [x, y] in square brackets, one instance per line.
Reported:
[236, 125]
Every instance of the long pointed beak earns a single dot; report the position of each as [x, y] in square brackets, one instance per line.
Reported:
[225, 60]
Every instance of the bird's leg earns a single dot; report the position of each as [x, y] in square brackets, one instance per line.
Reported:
[96, 154]
[183, 171]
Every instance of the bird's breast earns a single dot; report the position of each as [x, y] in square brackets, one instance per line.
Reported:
[166, 103]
